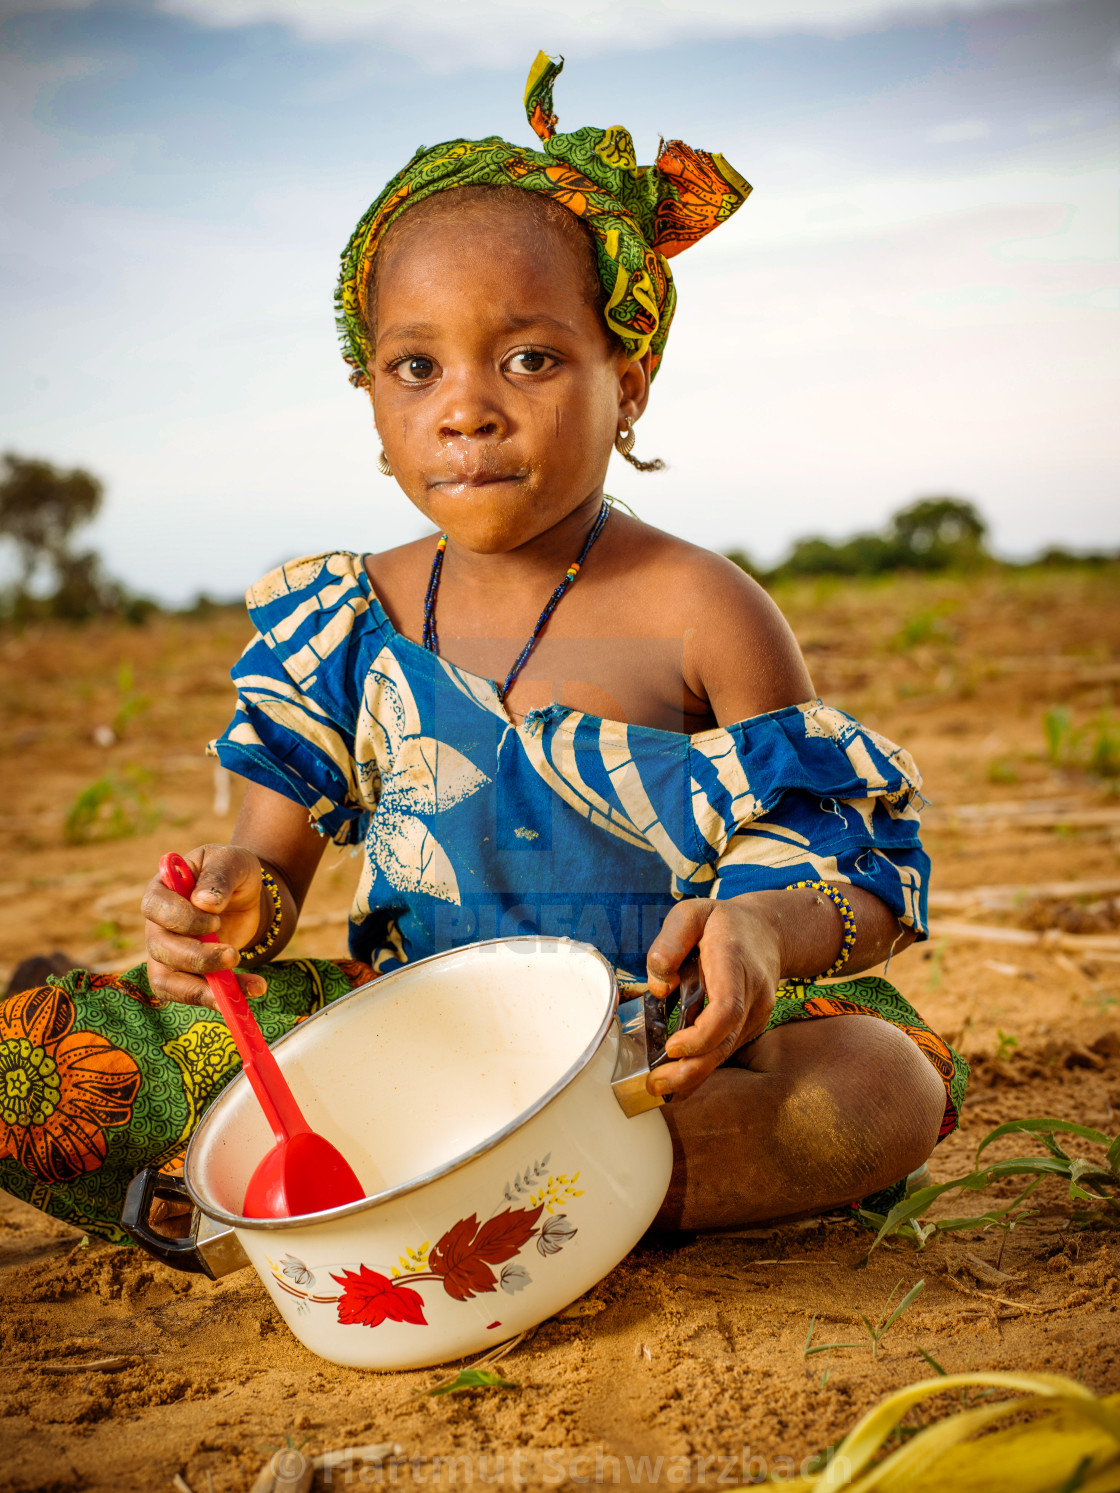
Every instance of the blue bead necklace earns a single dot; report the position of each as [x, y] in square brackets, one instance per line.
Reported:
[431, 641]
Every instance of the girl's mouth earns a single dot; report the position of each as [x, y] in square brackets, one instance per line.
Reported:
[471, 481]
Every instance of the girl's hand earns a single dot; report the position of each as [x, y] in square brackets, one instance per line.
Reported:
[227, 900]
[740, 957]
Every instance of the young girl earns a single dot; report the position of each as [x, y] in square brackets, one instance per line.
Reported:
[547, 716]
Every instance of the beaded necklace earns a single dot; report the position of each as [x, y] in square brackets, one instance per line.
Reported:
[431, 641]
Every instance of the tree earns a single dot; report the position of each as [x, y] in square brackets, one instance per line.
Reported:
[83, 590]
[40, 507]
[932, 534]
[939, 534]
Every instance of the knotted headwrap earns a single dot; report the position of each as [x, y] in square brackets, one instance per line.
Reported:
[639, 216]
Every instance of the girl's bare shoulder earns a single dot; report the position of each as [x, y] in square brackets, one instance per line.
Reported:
[740, 652]
[400, 562]
[399, 578]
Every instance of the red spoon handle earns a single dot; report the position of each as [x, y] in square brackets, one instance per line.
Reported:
[261, 1068]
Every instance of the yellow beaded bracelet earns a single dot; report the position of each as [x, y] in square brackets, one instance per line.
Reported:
[849, 939]
[272, 932]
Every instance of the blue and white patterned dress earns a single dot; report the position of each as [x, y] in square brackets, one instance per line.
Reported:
[471, 827]
[474, 827]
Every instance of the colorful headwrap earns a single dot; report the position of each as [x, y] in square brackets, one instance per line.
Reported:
[640, 216]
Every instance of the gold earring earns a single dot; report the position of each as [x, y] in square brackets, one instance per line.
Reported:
[624, 445]
[383, 464]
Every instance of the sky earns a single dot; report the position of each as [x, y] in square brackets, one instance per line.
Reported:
[921, 297]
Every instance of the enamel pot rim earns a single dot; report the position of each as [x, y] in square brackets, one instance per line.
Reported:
[378, 985]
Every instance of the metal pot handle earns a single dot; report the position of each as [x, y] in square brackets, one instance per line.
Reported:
[643, 1032]
[209, 1249]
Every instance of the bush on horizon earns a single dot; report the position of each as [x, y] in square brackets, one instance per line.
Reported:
[932, 536]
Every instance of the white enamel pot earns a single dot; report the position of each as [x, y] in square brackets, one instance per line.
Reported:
[493, 1102]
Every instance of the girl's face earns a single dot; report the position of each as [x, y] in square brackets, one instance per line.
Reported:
[496, 391]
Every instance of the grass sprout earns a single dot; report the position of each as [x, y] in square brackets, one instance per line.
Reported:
[888, 1318]
[1002, 771]
[810, 1347]
[876, 1331]
[1096, 1183]
[930, 625]
[1093, 747]
[129, 703]
[113, 807]
[933, 1363]
[1057, 729]
[1007, 1045]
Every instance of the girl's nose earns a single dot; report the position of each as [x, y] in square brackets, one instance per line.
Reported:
[470, 412]
[473, 428]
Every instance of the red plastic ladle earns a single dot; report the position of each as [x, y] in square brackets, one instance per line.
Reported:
[303, 1173]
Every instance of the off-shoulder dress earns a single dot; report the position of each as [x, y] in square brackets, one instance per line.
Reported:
[467, 825]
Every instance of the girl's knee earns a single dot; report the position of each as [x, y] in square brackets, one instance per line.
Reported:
[865, 1101]
[910, 1092]
[901, 1099]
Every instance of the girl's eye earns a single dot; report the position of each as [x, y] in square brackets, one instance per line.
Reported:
[529, 362]
[415, 370]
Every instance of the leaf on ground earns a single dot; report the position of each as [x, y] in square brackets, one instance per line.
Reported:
[90, 1366]
[987, 1274]
[473, 1379]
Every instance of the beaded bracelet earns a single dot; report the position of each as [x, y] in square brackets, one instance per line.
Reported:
[273, 930]
[848, 942]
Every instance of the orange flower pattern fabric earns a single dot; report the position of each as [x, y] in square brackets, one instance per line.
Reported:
[100, 1078]
[639, 216]
[61, 1089]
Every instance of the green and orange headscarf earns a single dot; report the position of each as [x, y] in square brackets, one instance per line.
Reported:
[639, 216]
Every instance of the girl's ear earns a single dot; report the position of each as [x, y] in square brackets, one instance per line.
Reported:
[633, 387]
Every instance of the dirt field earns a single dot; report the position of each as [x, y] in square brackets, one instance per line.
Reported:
[691, 1351]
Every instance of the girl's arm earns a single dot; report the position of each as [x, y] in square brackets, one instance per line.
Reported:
[748, 946]
[745, 661]
[231, 900]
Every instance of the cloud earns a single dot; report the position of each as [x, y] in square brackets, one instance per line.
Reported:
[959, 131]
[446, 34]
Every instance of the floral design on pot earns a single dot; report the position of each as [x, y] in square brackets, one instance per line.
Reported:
[370, 1299]
[463, 1260]
[555, 1233]
[540, 1187]
[514, 1278]
[296, 1270]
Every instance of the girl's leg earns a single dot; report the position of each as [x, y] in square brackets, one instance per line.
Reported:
[811, 1115]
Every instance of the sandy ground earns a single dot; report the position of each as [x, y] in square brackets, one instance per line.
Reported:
[691, 1351]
